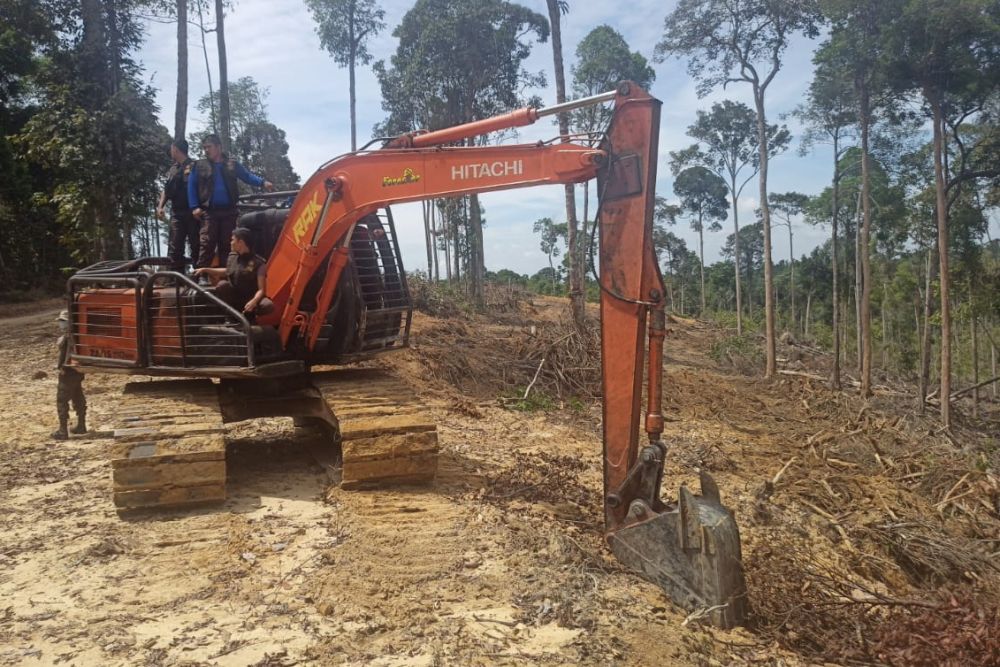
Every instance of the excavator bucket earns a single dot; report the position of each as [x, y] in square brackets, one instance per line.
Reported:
[691, 550]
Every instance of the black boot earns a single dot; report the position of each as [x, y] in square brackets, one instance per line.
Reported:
[81, 424]
[62, 433]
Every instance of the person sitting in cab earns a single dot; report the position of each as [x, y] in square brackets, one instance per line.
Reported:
[241, 281]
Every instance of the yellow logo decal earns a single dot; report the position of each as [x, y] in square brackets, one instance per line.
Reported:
[407, 177]
[307, 218]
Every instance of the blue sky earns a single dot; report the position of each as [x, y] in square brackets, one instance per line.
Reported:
[275, 42]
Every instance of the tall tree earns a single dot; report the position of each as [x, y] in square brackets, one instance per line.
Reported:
[856, 46]
[786, 206]
[436, 80]
[95, 131]
[728, 145]
[344, 28]
[181, 101]
[703, 196]
[220, 40]
[577, 294]
[741, 41]
[949, 52]
[828, 116]
[549, 235]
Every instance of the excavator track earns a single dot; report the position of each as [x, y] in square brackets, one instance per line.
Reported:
[386, 435]
[170, 445]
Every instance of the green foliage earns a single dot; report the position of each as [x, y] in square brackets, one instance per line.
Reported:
[537, 401]
[258, 143]
[742, 353]
[703, 197]
[734, 40]
[603, 59]
[457, 62]
[550, 234]
[345, 26]
[726, 143]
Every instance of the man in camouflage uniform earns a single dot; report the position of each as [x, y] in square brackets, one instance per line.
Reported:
[70, 387]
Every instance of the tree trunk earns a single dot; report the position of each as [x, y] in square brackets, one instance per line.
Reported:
[701, 251]
[993, 366]
[426, 207]
[477, 271]
[925, 347]
[434, 238]
[942, 228]
[771, 367]
[805, 324]
[220, 37]
[865, 310]
[835, 371]
[457, 247]
[180, 107]
[858, 282]
[975, 352]
[350, 72]
[885, 324]
[736, 256]
[576, 293]
[208, 71]
[791, 274]
[447, 243]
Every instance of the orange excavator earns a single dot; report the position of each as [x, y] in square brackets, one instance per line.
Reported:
[336, 278]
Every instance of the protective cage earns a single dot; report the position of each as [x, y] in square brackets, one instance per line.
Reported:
[372, 310]
[383, 311]
[130, 315]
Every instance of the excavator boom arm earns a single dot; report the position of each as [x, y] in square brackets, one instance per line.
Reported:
[348, 188]
[690, 547]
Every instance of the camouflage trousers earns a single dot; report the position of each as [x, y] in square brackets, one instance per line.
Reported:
[70, 390]
[217, 226]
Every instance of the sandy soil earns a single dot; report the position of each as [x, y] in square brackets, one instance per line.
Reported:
[473, 570]
[500, 561]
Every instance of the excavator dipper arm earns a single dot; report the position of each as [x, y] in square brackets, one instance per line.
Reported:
[690, 547]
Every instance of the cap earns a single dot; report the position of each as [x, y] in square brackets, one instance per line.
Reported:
[63, 316]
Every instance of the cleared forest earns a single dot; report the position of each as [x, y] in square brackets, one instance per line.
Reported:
[869, 535]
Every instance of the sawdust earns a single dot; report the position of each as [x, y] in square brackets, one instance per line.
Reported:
[501, 560]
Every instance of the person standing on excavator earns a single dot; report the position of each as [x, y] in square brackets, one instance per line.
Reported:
[70, 387]
[212, 196]
[183, 226]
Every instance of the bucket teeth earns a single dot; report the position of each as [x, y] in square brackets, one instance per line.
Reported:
[709, 489]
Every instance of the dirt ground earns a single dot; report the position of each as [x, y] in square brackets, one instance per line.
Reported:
[500, 561]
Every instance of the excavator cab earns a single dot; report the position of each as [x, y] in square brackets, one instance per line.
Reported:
[338, 284]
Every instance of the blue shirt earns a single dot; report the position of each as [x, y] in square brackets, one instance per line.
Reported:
[220, 198]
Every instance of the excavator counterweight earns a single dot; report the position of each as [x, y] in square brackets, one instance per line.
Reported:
[335, 275]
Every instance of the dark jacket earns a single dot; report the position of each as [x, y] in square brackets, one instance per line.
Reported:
[177, 185]
[206, 183]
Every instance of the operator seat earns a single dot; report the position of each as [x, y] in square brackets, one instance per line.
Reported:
[266, 227]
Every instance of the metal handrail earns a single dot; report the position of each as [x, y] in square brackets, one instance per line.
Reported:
[130, 280]
[225, 307]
